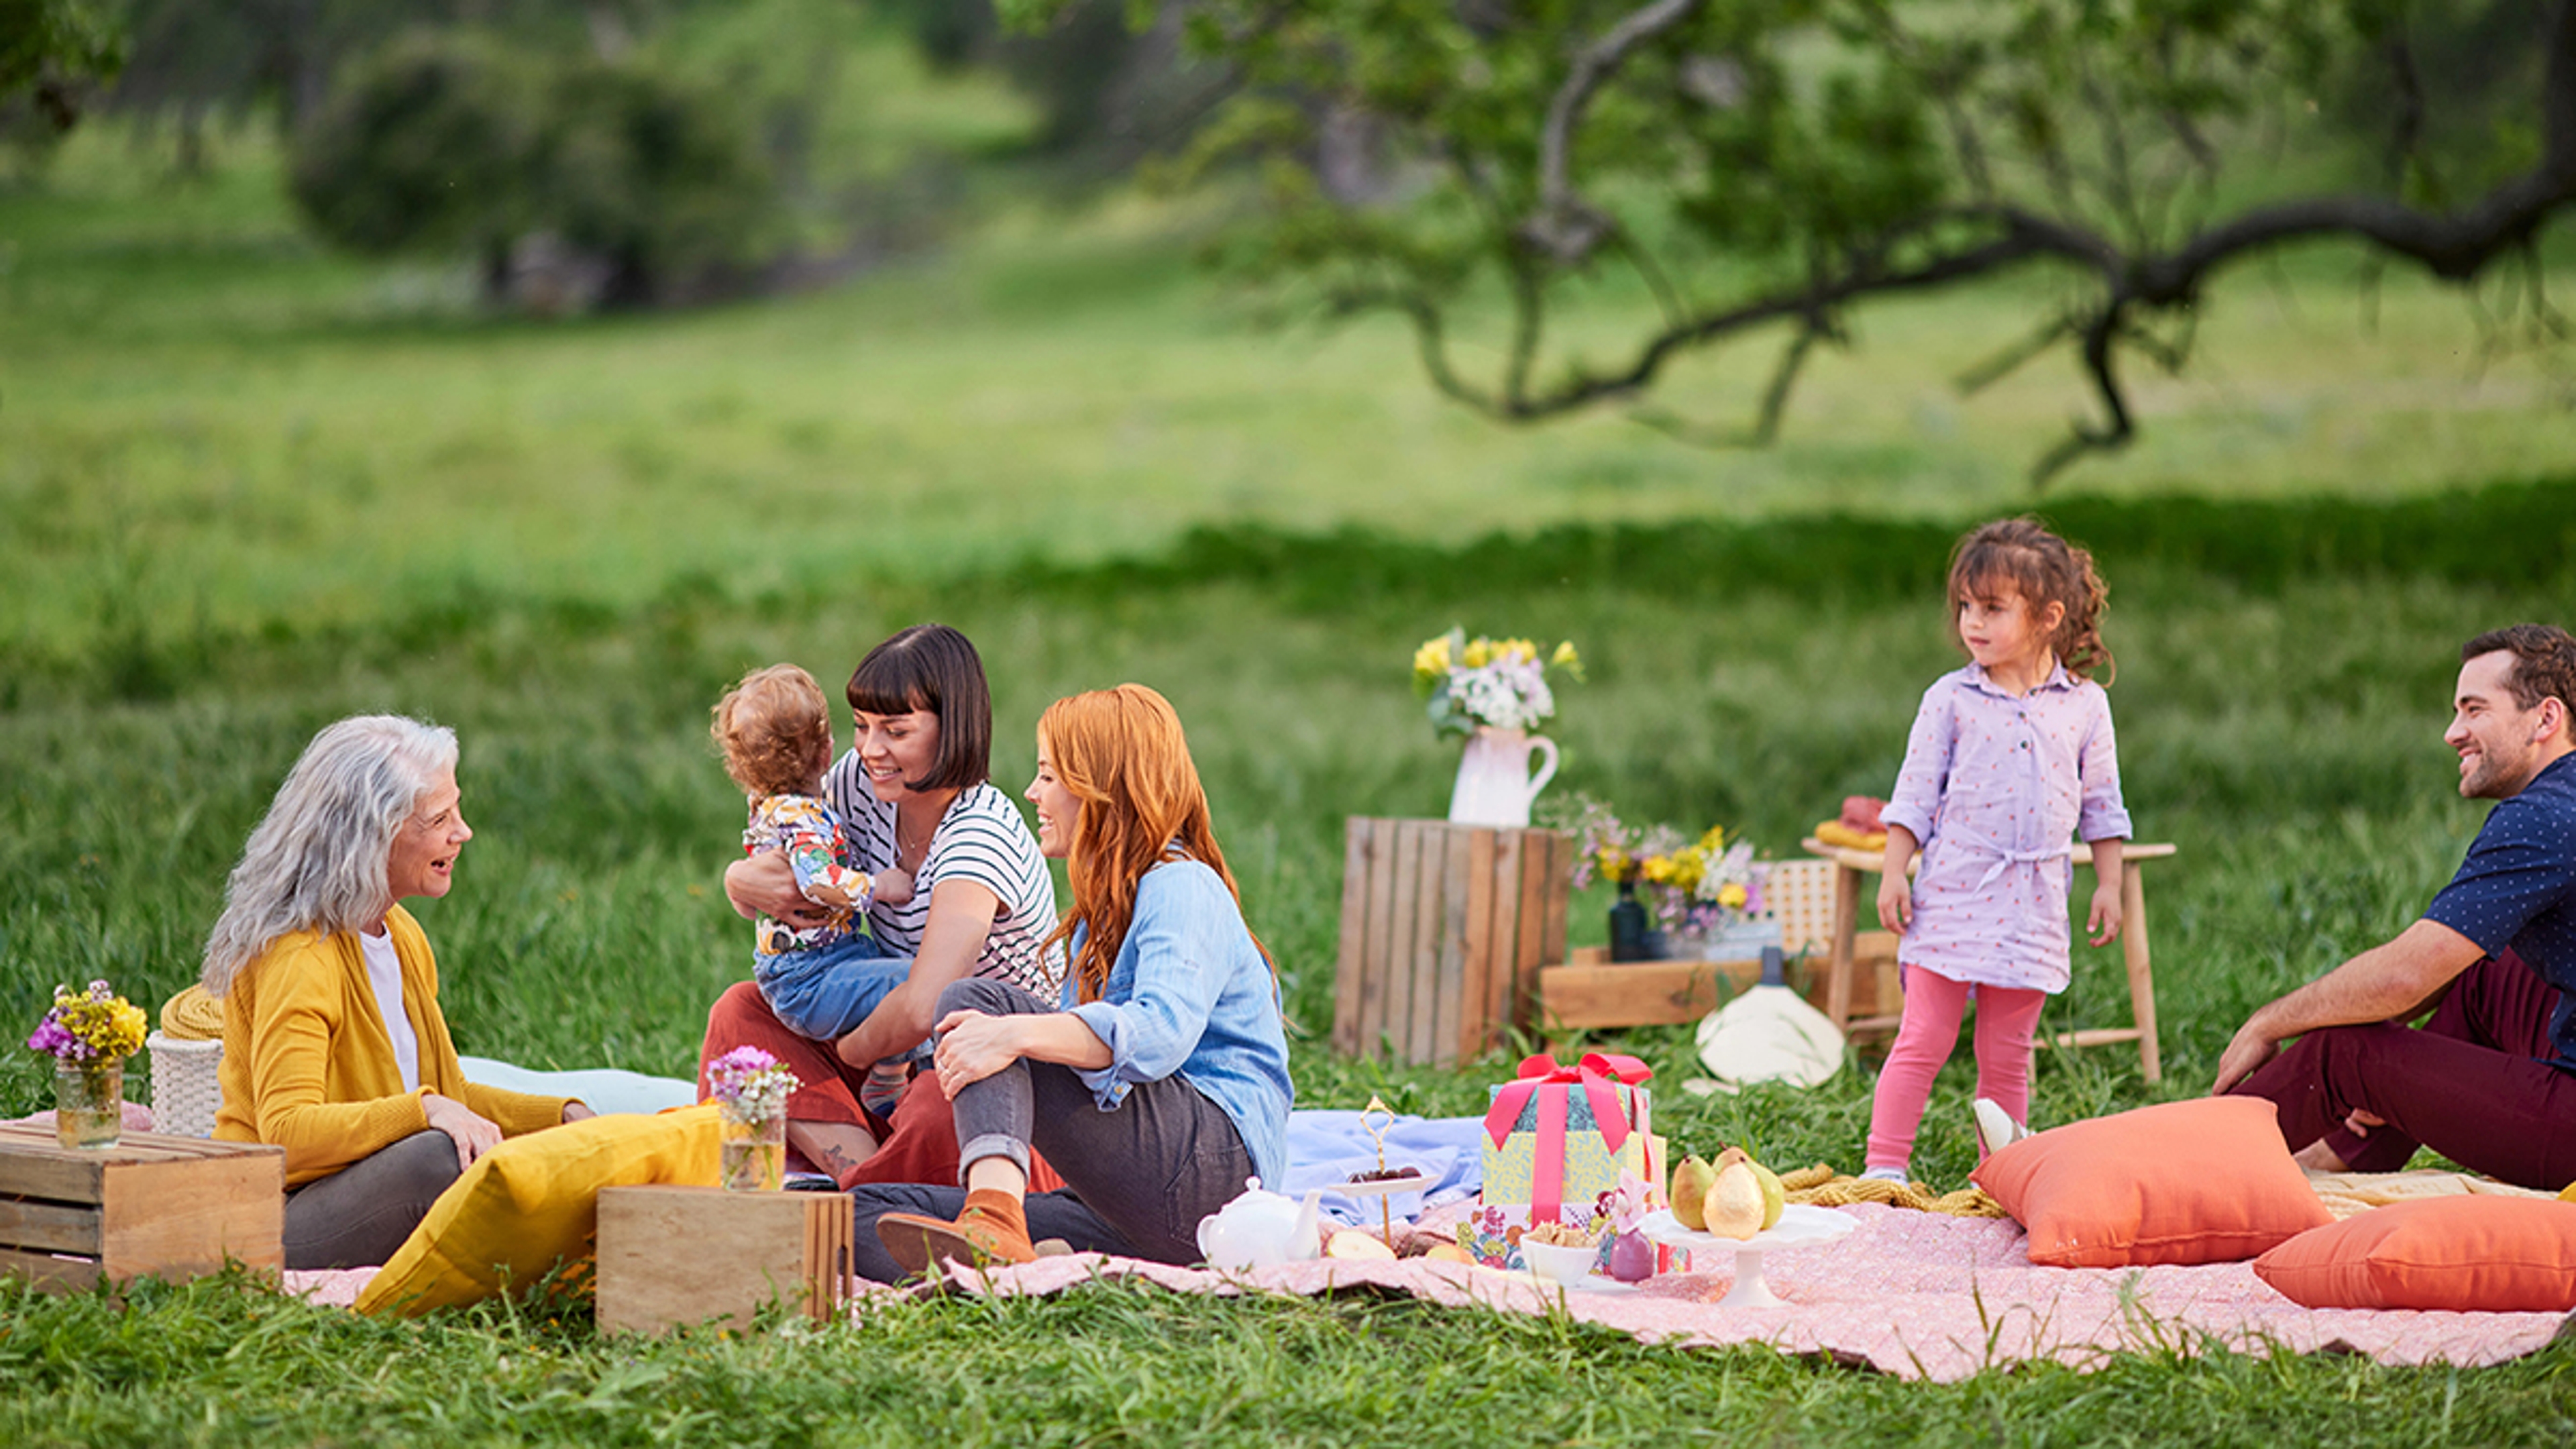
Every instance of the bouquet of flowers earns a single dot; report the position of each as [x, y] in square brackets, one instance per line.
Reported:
[749, 1085]
[1691, 887]
[96, 1026]
[1481, 681]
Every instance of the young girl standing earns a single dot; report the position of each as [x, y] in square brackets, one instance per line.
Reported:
[2009, 758]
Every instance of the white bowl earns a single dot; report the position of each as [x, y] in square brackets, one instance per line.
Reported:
[1558, 1262]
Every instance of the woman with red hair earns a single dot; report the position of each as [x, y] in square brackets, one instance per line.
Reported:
[1158, 1082]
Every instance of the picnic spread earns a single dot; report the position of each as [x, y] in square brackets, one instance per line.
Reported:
[1921, 1286]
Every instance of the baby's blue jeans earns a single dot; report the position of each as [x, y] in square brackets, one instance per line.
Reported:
[825, 992]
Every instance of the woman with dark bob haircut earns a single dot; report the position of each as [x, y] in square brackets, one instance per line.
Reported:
[913, 795]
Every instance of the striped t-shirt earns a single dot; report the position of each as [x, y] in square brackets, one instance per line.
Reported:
[982, 839]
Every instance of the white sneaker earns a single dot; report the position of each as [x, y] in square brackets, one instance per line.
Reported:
[1895, 1175]
[1996, 1129]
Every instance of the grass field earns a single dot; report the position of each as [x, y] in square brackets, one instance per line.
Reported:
[246, 488]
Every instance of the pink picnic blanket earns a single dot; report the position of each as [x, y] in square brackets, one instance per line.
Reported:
[1914, 1294]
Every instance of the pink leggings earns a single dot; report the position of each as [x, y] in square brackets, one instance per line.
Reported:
[2006, 1017]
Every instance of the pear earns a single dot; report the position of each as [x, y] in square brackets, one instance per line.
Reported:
[1690, 1188]
[1775, 1198]
[1734, 1206]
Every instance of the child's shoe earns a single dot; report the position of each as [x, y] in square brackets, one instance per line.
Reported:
[883, 1087]
[1996, 1129]
[1896, 1175]
[993, 1229]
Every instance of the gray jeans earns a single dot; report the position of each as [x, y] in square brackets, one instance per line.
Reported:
[356, 1217]
[1144, 1173]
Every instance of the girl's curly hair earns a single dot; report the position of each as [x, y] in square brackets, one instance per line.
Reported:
[773, 728]
[2044, 569]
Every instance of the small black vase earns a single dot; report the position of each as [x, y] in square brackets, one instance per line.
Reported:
[1630, 939]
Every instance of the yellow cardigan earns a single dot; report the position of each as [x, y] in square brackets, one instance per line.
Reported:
[308, 1065]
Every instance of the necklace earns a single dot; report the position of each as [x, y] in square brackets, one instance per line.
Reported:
[903, 847]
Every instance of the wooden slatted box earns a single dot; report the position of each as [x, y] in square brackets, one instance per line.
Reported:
[152, 1205]
[1443, 930]
[671, 1255]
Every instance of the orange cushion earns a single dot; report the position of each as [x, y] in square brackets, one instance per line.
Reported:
[2204, 1181]
[2466, 1254]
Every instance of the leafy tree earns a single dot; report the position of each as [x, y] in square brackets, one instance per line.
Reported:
[51, 49]
[1769, 166]
[455, 141]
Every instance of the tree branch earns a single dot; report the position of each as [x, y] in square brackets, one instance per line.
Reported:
[1565, 226]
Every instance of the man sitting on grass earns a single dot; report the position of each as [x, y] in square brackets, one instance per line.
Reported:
[2490, 1081]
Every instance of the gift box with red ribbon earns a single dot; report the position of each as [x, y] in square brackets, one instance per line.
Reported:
[1561, 1135]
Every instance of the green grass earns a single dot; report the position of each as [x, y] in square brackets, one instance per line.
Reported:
[246, 489]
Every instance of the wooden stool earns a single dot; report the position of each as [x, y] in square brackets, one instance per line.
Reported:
[1850, 865]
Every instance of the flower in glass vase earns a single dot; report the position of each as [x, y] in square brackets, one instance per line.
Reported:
[750, 1089]
[89, 1035]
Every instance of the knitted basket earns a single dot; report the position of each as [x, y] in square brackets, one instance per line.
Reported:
[185, 1089]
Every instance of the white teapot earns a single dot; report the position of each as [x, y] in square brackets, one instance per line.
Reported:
[1261, 1228]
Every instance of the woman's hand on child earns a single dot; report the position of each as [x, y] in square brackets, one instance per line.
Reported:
[972, 1046]
[765, 885]
[1895, 901]
[894, 887]
[2104, 920]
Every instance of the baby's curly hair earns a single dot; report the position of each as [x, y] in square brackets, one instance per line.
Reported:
[2043, 569]
[772, 728]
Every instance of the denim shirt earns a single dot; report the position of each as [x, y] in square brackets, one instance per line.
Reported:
[1190, 993]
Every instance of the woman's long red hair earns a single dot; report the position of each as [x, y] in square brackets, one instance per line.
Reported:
[1122, 754]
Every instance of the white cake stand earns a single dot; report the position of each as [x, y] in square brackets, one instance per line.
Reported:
[1800, 1226]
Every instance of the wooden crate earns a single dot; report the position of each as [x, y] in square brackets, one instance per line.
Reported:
[1443, 930]
[1591, 993]
[672, 1255]
[151, 1206]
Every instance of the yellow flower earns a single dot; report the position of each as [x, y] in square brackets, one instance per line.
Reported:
[1731, 895]
[1566, 656]
[1480, 652]
[1432, 659]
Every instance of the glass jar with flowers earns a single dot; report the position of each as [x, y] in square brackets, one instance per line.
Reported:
[89, 1035]
[750, 1089]
[1493, 693]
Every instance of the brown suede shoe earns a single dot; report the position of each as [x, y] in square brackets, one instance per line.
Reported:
[981, 1237]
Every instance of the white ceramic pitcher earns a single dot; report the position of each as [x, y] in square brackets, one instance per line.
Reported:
[1495, 786]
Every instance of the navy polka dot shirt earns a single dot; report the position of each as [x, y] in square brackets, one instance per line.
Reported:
[2518, 889]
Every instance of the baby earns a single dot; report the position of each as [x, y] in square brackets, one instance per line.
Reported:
[820, 980]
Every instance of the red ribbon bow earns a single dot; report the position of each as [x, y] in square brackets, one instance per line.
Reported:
[1597, 1073]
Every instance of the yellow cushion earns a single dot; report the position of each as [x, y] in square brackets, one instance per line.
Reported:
[534, 1201]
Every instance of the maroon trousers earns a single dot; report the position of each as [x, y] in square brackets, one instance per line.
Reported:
[2473, 1084]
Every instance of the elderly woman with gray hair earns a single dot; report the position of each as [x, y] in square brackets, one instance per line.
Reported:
[334, 1048]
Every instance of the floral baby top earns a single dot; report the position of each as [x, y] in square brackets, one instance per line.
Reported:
[1993, 787]
[806, 831]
